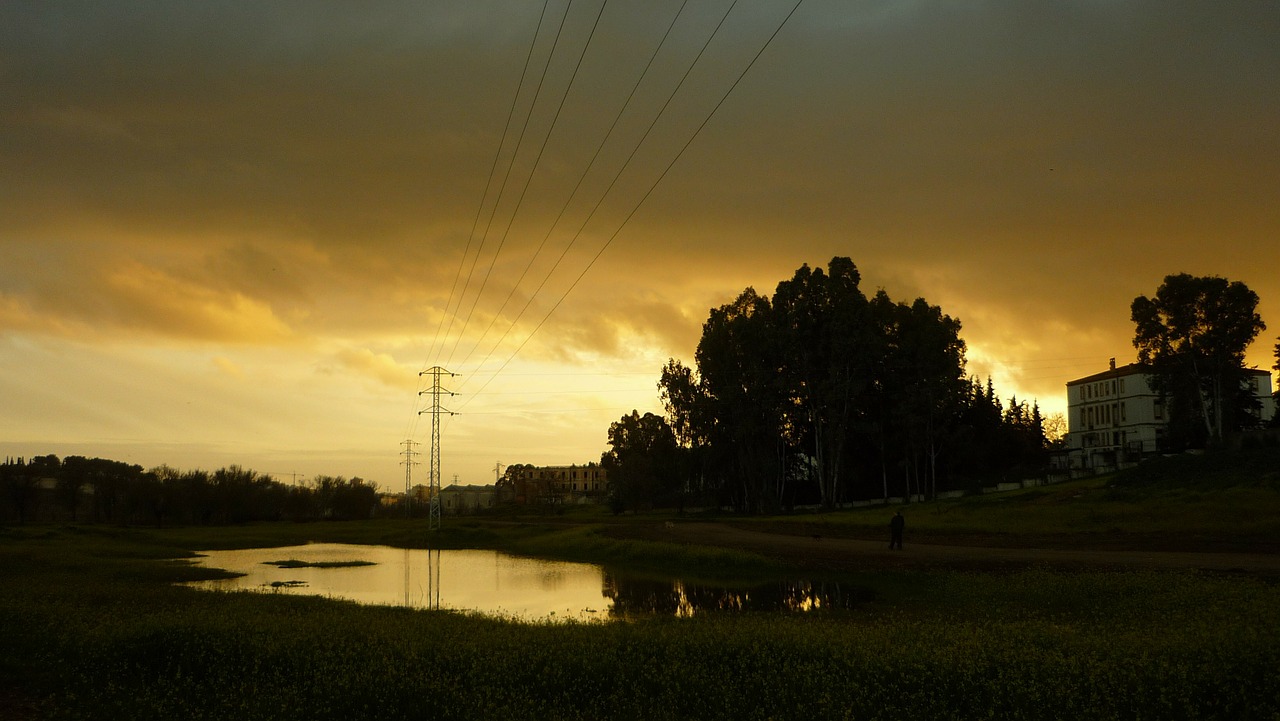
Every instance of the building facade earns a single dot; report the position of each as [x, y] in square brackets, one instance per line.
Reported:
[554, 485]
[457, 499]
[1115, 418]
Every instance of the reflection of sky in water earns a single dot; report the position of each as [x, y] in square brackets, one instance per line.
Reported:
[497, 584]
[485, 581]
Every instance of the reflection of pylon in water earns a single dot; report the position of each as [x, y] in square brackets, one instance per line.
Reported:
[416, 595]
[433, 515]
[433, 578]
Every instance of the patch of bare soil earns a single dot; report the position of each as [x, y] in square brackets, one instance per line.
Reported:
[843, 554]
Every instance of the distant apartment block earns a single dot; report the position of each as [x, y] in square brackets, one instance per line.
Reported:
[1115, 418]
[554, 485]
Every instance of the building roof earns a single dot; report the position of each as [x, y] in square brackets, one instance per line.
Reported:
[1138, 368]
[1121, 372]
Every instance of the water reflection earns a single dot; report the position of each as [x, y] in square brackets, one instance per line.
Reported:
[498, 584]
[430, 596]
[633, 597]
[486, 582]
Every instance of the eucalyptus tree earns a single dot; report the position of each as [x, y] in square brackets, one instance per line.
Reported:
[1193, 334]
[685, 402]
[828, 346]
[921, 387]
[821, 381]
[740, 366]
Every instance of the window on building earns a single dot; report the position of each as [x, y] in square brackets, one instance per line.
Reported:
[1123, 412]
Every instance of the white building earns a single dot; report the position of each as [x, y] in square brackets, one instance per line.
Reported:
[1114, 418]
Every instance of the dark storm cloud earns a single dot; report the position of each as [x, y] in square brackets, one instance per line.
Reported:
[314, 174]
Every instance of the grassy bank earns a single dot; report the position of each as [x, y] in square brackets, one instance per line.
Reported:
[93, 630]
[1097, 513]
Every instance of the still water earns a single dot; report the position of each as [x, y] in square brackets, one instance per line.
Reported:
[497, 584]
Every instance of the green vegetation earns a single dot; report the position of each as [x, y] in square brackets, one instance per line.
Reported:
[1252, 467]
[94, 629]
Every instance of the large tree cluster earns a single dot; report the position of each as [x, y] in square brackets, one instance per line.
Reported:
[821, 395]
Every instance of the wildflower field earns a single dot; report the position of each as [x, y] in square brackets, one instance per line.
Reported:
[91, 627]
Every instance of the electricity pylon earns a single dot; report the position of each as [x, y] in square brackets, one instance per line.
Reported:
[433, 515]
[409, 463]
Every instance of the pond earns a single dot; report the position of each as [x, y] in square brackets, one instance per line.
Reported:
[501, 585]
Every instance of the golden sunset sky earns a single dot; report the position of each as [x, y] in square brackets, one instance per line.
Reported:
[235, 233]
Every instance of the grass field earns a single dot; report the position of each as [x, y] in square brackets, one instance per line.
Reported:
[91, 627]
[1103, 513]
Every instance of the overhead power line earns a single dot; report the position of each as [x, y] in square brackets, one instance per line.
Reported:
[574, 193]
[458, 299]
[493, 168]
[652, 186]
[529, 178]
[441, 333]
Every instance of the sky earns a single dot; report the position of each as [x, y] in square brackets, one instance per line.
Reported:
[238, 233]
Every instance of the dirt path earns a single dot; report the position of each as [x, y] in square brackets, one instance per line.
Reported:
[838, 554]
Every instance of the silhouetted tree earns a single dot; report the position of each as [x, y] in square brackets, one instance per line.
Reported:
[740, 360]
[1275, 419]
[72, 478]
[20, 481]
[688, 413]
[1193, 335]
[642, 461]
[339, 499]
[822, 394]
[124, 493]
[828, 342]
[921, 387]
[198, 493]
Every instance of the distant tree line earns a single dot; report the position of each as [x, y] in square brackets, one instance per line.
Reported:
[821, 395]
[97, 490]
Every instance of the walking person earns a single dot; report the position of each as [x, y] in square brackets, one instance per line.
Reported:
[896, 524]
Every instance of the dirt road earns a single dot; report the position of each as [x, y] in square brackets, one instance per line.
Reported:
[840, 554]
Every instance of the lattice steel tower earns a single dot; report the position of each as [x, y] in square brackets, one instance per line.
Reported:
[409, 463]
[433, 515]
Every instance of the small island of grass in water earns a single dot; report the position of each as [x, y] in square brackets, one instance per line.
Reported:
[295, 563]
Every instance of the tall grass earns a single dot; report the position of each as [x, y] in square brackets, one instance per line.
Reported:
[91, 630]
